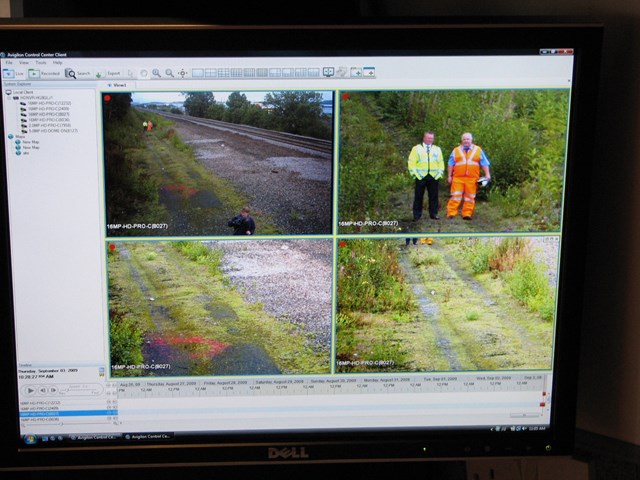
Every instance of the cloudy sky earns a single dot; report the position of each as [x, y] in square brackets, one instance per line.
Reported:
[221, 97]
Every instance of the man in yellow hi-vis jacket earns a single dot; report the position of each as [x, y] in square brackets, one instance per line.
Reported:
[463, 172]
[426, 165]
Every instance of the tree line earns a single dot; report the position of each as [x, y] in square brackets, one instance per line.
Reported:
[297, 112]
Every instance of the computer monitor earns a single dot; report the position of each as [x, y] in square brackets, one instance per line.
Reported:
[315, 243]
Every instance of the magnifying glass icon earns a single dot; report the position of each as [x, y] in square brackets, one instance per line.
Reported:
[168, 72]
[155, 72]
[70, 73]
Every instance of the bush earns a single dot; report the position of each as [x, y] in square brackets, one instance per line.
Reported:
[472, 316]
[126, 340]
[528, 283]
[370, 279]
[476, 252]
[371, 166]
[508, 200]
[508, 253]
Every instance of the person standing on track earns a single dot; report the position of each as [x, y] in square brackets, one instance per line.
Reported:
[243, 224]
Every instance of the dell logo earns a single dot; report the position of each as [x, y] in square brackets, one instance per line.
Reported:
[287, 453]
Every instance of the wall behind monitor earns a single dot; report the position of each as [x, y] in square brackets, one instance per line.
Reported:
[609, 392]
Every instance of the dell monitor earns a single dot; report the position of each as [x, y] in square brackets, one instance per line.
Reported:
[315, 243]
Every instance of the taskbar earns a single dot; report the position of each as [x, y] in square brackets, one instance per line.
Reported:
[128, 438]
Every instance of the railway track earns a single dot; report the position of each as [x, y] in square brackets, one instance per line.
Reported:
[314, 145]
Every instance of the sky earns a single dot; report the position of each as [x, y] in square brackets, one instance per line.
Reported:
[221, 97]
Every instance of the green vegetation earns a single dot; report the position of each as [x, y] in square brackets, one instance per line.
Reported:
[155, 177]
[377, 326]
[523, 132]
[132, 193]
[174, 301]
[370, 278]
[452, 304]
[487, 325]
[128, 315]
[299, 113]
[511, 260]
[296, 112]
[528, 283]
[126, 340]
[371, 166]
[202, 255]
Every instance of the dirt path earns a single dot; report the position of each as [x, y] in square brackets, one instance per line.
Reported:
[485, 328]
[220, 346]
[156, 350]
[489, 304]
[487, 218]
[191, 211]
[430, 311]
[293, 187]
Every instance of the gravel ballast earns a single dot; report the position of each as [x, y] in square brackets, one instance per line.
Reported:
[290, 184]
[291, 278]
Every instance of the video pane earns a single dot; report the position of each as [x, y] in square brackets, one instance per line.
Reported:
[188, 164]
[446, 304]
[243, 307]
[452, 161]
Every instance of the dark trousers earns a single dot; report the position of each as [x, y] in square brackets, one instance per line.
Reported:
[431, 185]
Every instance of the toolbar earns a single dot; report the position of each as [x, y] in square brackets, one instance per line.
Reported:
[181, 73]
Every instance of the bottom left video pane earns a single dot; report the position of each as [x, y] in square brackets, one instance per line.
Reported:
[201, 308]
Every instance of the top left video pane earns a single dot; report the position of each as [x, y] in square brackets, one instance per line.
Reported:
[189, 163]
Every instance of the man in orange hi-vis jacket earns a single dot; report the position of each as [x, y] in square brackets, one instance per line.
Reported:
[463, 172]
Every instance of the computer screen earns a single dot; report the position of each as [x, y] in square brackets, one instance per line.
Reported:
[230, 243]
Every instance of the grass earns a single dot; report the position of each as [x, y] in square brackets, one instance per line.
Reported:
[200, 309]
[475, 321]
[528, 283]
[511, 259]
[129, 316]
[132, 193]
[178, 190]
[488, 327]
[377, 327]
[373, 342]
[375, 184]
[370, 278]
[365, 342]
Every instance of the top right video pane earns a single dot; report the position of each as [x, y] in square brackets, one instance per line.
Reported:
[452, 161]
